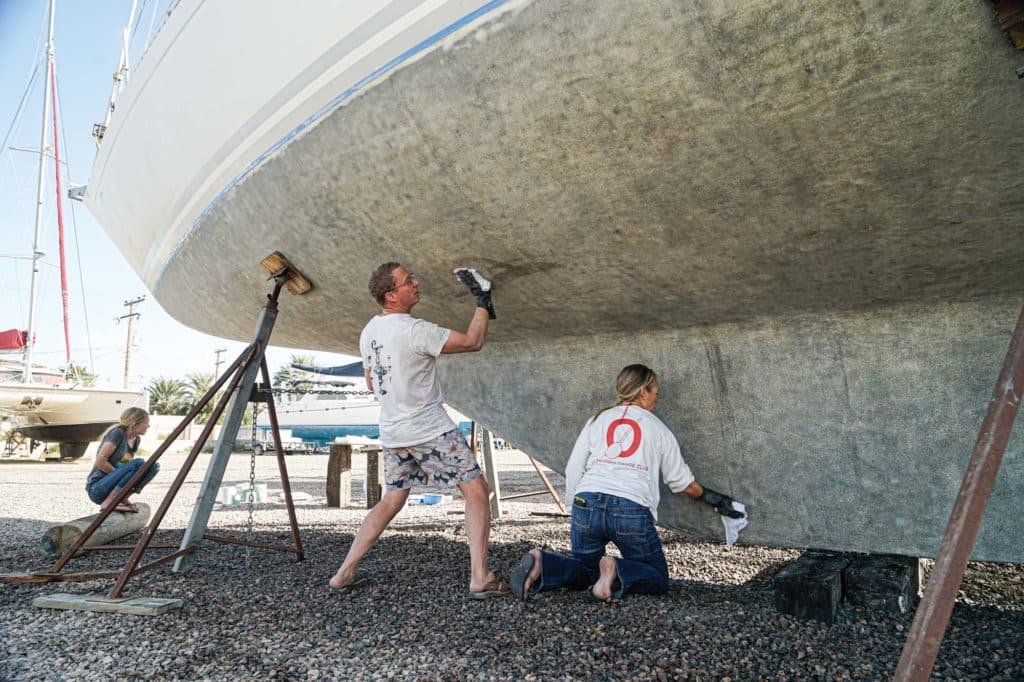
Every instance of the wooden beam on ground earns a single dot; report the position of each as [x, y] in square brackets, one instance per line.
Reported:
[82, 576]
[139, 606]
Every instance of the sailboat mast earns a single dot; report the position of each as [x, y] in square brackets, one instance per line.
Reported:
[36, 253]
[60, 214]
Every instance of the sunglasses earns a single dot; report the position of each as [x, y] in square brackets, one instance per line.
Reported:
[412, 278]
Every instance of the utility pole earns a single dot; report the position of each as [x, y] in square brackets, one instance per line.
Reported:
[131, 315]
[218, 362]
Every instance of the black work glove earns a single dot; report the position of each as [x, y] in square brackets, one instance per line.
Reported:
[721, 503]
[479, 286]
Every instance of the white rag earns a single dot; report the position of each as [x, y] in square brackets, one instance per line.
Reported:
[734, 526]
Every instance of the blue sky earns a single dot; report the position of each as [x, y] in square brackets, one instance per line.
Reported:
[87, 39]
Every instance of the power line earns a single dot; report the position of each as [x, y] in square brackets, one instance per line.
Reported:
[130, 316]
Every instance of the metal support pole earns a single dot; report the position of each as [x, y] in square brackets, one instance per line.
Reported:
[279, 451]
[547, 484]
[933, 613]
[229, 431]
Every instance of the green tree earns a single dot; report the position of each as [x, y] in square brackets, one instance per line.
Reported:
[167, 396]
[78, 375]
[196, 385]
[290, 381]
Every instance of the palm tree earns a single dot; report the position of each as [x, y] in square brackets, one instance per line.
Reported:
[167, 396]
[196, 385]
[289, 380]
[78, 375]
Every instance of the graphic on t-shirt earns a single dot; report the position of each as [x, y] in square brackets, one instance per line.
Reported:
[622, 438]
[377, 367]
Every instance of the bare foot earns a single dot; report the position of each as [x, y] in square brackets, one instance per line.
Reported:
[342, 578]
[492, 584]
[534, 574]
[602, 589]
[343, 583]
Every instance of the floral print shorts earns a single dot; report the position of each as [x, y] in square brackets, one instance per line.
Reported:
[441, 463]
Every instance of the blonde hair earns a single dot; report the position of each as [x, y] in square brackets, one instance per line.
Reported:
[631, 380]
[130, 417]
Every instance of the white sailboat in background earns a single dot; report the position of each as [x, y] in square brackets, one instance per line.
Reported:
[42, 404]
[319, 410]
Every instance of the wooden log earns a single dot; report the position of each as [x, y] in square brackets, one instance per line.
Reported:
[58, 539]
[339, 475]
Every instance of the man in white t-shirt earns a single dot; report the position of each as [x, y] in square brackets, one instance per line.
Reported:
[422, 445]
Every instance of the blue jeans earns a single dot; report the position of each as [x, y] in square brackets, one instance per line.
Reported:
[603, 519]
[117, 479]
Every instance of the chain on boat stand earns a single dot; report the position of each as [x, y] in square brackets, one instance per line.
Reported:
[241, 390]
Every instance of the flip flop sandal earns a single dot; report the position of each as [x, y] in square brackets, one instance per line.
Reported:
[519, 576]
[495, 588]
[358, 579]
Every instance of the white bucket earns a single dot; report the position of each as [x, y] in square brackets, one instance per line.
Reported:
[260, 491]
[227, 493]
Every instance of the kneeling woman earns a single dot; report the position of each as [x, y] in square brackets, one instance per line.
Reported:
[116, 462]
[612, 480]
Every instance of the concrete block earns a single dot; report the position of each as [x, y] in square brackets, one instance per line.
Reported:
[139, 606]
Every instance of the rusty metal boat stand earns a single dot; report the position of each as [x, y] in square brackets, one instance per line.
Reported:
[241, 390]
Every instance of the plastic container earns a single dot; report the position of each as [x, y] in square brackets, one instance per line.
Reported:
[227, 494]
[430, 498]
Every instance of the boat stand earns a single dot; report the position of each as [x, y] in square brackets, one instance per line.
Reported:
[491, 472]
[241, 390]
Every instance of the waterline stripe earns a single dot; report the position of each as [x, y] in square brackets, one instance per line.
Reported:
[323, 111]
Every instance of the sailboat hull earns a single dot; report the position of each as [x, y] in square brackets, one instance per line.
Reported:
[799, 214]
[65, 415]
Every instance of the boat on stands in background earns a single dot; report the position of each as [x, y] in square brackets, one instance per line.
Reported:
[328, 403]
[50, 409]
[42, 404]
[805, 216]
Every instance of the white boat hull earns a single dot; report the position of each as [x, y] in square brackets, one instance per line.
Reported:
[65, 415]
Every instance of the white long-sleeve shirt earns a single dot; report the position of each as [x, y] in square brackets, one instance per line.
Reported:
[622, 452]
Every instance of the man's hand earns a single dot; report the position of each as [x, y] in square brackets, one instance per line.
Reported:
[721, 503]
[479, 286]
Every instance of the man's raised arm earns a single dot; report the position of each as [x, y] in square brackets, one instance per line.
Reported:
[473, 339]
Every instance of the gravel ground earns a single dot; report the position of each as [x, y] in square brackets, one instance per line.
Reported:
[276, 619]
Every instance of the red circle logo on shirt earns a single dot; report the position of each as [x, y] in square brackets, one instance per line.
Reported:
[634, 444]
